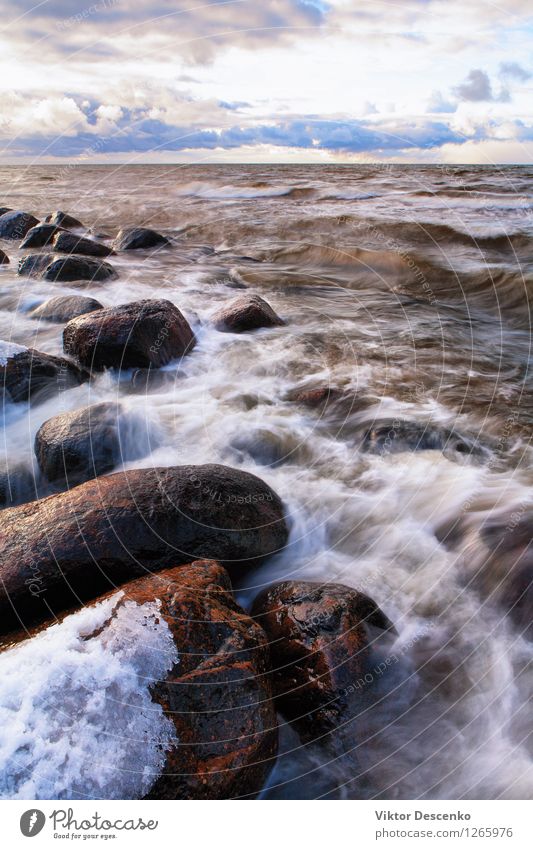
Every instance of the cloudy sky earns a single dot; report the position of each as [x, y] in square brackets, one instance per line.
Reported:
[266, 81]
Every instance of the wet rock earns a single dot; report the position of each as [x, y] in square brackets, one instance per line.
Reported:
[139, 238]
[69, 243]
[4, 209]
[140, 334]
[17, 485]
[152, 379]
[15, 225]
[30, 375]
[40, 236]
[74, 447]
[65, 307]
[4, 259]
[320, 396]
[392, 436]
[319, 642]
[108, 531]
[248, 312]
[34, 265]
[219, 694]
[62, 219]
[78, 268]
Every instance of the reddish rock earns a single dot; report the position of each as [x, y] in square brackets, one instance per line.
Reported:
[320, 396]
[248, 312]
[137, 335]
[319, 644]
[103, 533]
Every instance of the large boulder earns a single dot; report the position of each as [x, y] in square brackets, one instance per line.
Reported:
[72, 268]
[248, 312]
[63, 308]
[139, 238]
[107, 531]
[14, 225]
[30, 375]
[4, 259]
[137, 335]
[159, 691]
[40, 236]
[69, 243]
[320, 645]
[62, 219]
[74, 447]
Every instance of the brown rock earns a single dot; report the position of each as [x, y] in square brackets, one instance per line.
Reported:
[30, 375]
[319, 644]
[320, 396]
[108, 531]
[248, 312]
[4, 259]
[39, 236]
[65, 307]
[137, 335]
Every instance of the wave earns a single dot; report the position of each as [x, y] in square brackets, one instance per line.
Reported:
[211, 191]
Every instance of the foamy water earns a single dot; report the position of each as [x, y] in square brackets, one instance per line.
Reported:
[407, 289]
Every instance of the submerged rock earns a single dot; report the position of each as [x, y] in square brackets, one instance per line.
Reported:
[139, 238]
[108, 531]
[393, 436]
[30, 375]
[248, 312]
[15, 224]
[64, 307]
[17, 485]
[74, 447]
[34, 265]
[136, 335]
[319, 642]
[68, 243]
[40, 236]
[62, 219]
[319, 396]
[72, 268]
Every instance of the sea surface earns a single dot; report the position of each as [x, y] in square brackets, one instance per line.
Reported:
[405, 290]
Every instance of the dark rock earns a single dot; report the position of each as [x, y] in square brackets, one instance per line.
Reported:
[108, 531]
[65, 307]
[61, 219]
[248, 312]
[4, 209]
[78, 268]
[152, 379]
[34, 265]
[392, 436]
[140, 334]
[15, 225]
[219, 694]
[139, 238]
[29, 375]
[319, 643]
[17, 485]
[40, 236]
[69, 243]
[74, 447]
[4, 259]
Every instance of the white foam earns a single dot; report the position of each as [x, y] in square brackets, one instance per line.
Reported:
[9, 350]
[76, 715]
[213, 192]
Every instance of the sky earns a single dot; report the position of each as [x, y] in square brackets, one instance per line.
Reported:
[430, 81]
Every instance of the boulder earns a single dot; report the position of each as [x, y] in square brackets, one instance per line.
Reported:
[320, 646]
[17, 485]
[31, 376]
[318, 397]
[108, 531]
[34, 265]
[40, 236]
[393, 436]
[4, 209]
[248, 312]
[4, 259]
[137, 335]
[74, 447]
[63, 308]
[139, 238]
[129, 701]
[69, 243]
[78, 268]
[62, 219]
[14, 225]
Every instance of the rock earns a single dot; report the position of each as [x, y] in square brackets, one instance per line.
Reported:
[15, 225]
[30, 375]
[4, 259]
[74, 447]
[392, 436]
[17, 485]
[34, 265]
[40, 236]
[68, 243]
[78, 268]
[176, 712]
[248, 312]
[4, 209]
[136, 335]
[108, 531]
[65, 307]
[320, 396]
[139, 238]
[61, 219]
[319, 643]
